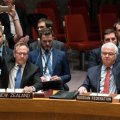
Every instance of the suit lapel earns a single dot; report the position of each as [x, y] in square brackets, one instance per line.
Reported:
[39, 60]
[54, 59]
[25, 72]
[10, 62]
[4, 52]
[115, 70]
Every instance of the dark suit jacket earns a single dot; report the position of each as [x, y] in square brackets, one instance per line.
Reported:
[92, 81]
[30, 74]
[95, 57]
[6, 51]
[59, 64]
[56, 44]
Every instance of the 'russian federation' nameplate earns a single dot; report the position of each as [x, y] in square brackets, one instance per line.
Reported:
[94, 98]
[16, 95]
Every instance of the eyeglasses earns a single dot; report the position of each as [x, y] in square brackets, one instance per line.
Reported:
[20, 53]
[110, 53]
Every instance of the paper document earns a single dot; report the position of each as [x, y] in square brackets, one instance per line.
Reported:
[98, 94]
[117, 97]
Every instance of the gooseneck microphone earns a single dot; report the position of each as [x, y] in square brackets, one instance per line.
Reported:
[98, 85]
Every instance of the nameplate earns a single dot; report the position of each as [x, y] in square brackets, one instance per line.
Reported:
[94, 98]
[43, 94]
[38, 95]
[16, 95]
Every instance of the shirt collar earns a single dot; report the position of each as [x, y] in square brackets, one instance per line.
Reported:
[104, 67]
[43, 51]
[22, 66]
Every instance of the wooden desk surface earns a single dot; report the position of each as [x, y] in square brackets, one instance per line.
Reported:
[66, 107]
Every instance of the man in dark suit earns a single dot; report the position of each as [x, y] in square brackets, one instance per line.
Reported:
[43, 23]
[54, 67]
[28, 75]
[98, 75]
[95, 54]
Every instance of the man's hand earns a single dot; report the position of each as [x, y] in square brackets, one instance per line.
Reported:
[55, 78]
[28, 89]
[12, 12]
[82, 90]
[43, 79]
[25, 39]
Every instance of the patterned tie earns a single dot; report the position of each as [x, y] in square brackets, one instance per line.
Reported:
[107, 81]
[49, 65]
[18, 77]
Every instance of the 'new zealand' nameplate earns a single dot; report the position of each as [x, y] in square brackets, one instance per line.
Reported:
[94, 98]
[16, 95]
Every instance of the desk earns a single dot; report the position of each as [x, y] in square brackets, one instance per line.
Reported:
[45, 109]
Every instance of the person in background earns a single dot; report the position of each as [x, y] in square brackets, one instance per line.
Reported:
[104, 78]
[116, 27]
[4, 49]
[9, 22]
[46, 23]
[95, 54]
[18, 72]
[52, 62]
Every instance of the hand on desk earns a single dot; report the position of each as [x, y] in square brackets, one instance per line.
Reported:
[28, 89]
[82, 90]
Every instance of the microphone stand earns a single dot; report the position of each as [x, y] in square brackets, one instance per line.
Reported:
[98, 86]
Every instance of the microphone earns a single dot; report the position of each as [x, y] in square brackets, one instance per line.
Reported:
[0, 71]
[98, 85]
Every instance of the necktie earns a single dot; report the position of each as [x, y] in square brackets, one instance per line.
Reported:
[107, 81]
[49, 65]
[18, 77]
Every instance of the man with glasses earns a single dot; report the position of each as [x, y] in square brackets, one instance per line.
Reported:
[46, 23]
[104, 78]
[95, 54]
[18, 72]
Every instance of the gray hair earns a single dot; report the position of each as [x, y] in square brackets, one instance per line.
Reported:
[109, 44]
